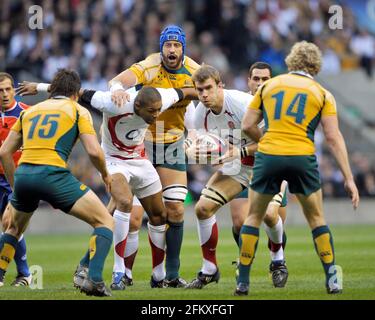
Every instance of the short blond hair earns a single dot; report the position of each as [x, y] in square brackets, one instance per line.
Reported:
[206, 72]
[304, 56]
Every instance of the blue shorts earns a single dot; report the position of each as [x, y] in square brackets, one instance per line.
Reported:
[5, 193]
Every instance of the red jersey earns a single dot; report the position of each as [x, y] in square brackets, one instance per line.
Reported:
[8, 118]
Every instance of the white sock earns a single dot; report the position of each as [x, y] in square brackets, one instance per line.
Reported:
[205, 228]
[120, 234]
[276, 236]
[131, 248]
[156, 237]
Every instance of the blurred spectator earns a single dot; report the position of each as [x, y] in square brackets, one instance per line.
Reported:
[364, 174]
[363, 45]
[331, 61]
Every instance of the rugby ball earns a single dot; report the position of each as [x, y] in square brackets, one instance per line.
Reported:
[210, 145]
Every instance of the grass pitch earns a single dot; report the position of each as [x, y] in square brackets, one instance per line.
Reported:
[355, 253]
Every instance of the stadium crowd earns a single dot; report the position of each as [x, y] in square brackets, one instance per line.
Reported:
[100, 38]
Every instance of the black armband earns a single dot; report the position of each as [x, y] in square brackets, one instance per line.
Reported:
[244, 152]
[180, 94]
[85, 98]
[188, 142]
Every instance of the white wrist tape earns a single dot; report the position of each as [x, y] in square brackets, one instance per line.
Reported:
[116, 86]
[42, 87]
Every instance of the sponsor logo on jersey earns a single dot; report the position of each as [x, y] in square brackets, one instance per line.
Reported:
[131, 135]
[231, 124]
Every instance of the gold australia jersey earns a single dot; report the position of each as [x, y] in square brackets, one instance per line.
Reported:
[169, 126]
[50, 129]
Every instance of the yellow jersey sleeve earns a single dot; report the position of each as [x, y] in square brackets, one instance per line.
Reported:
[329, 108]
[18, 124]
[85, 123]
[145, 70]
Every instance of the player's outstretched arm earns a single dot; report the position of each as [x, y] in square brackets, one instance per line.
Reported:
[27, 88]
[126, 78]
[11, 144]
[102, 101]
[189, 93]
[95, 152]
[119, 84]
[337, 146]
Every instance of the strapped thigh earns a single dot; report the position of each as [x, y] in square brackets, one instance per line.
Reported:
[175, 193]
[214, 195]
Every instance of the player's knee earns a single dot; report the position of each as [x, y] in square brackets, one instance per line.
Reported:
[135, 222]
[124, 204]
[174, 197]
[13, 228]
[203, 210]
[158, 216]
[175, 211]
[271, 217]
[158, 220]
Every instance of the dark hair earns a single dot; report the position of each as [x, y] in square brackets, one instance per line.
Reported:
[65, 83]
[259, 65]
[4, 75]
[147, 96]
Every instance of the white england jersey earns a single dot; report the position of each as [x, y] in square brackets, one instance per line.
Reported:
[227, 124]
[123, 131]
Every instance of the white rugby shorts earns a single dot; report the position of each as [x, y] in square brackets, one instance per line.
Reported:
[140, 174]
[237, 171]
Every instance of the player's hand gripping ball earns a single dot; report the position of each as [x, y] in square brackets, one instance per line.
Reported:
[206, 147]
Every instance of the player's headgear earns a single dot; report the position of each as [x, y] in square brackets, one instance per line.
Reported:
[173, 33]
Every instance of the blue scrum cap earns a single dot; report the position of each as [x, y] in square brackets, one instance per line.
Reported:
[172, 33]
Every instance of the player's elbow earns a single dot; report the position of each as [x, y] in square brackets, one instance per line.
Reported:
[333, 137]
[246, 127]
[330, 141]
[251, 130]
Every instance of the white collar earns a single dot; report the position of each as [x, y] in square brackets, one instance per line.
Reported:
[60, 97]
[11, 108]
[302, 73]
